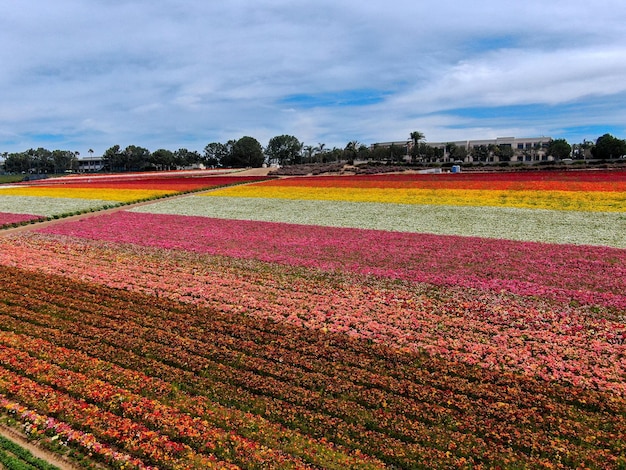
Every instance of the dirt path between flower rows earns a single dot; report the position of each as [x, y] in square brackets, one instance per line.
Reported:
[40, 453]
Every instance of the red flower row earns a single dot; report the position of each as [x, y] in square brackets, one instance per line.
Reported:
[172, 183]
[530, 180]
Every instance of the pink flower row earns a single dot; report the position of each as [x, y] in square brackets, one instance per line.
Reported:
[486, 327]
[582, 274]
[7, 218]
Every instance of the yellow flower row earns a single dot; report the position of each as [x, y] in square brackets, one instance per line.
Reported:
[553, 200]
[105, 194]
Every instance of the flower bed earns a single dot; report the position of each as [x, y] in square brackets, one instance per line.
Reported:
[561, 227]
[582, 274]
[15, 219]
[326, 333]
[561, 191]
[68, 196]
[531, 335]
[176, 386]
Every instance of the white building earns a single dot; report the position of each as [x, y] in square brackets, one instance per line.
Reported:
[90, 164]
[527, 149]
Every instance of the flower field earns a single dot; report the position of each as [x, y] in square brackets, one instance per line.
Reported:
[604, 194]
[181, 335]
[58, 197]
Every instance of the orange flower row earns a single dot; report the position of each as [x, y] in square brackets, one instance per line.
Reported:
[540, 181]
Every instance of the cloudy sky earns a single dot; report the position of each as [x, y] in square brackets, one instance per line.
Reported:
[89, 74]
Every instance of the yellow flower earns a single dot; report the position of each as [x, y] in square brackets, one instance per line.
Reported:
[554, 200]
[119, 195]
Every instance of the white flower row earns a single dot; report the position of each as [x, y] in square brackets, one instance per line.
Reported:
[48, 206]
[564, 227]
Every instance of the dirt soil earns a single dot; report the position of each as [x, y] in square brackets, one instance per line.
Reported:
[253, 172]
[34, 449]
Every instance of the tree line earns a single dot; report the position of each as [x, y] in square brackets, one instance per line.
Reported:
[286, 150]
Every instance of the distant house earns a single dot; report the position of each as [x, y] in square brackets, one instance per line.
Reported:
[90, 164]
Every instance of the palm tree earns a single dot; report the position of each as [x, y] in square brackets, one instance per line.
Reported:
[350, 152]
[319, 152]
[416, 137]
[308, 152]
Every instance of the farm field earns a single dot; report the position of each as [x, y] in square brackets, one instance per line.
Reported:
[389, 321]
[54, 198]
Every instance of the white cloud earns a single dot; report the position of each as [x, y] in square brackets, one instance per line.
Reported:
[171, 74]
[509, 76]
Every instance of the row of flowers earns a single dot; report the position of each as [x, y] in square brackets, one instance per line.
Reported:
[521, 181]
[149, 378]
[107, 194]
[557, 340]
[165, 182]
[39, 207]
[157, 399]
[36, 201]
[567, 273]
[42, 427]
[7, 218]
[601, 201]
[285, 345]
[561, 227]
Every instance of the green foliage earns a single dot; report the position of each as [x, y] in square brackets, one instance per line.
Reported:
[10, 178]
[246, 152]
[608, 147]
[184, 157]
[284, 150]
[559, 149]
[162, 159]
[215, 153]
[15, 457]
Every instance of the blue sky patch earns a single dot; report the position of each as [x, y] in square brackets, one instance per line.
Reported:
[504, 112]
[491, 43]
[336, 98]
[47, 137]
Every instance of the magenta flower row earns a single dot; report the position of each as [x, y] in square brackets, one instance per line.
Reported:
[7, 218]
[580, 344]
[567, 273]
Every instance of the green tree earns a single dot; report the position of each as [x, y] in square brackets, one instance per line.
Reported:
[284, 150]
[320, 152]
[18, 162]
[504, 152]
[137, 157]
[215, 154]
[307, 153]
[162, 159]
[40, 161]
[114, 159]
[351, 151]
[458, 153]
[608, 147]
[559, 149]
[245, 152]
[64, 160]
[185, 158]
[397, 152]
[480, 153]
[416, 137]
[364, 153]
[379, 153]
